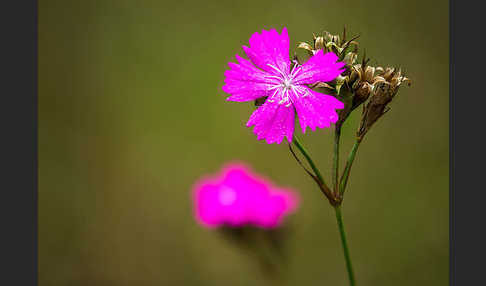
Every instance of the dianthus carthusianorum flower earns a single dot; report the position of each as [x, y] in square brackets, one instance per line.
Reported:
[270, 74]
[237, 197]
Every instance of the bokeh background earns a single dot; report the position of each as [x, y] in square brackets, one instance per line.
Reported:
[131, 113]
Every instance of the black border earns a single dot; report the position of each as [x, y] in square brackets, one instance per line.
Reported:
[467, 155]
[451, 144]
[18, 117]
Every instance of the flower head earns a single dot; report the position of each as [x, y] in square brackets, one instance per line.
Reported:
[269, 73]
[237, 197]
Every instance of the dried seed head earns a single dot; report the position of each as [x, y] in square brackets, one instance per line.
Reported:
[354, 75]
[384, 89]
[388, 73]
[345, 50]
[335, 39]
[350, 58]
[319, 43]
[334, 43]
[322, 85]
[377, 79]
[362, 93]
[360, 83]
[369, 73]
[307, 47]
[327, 36]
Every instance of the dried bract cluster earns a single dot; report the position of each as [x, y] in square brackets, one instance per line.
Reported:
[385, 87]
[360, 82]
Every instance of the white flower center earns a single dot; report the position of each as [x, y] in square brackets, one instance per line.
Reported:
[287, 83]
[285, 86]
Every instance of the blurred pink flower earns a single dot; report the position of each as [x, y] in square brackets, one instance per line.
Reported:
[268, 74]
[237, 197]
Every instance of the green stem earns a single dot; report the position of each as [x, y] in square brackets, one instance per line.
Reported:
[347, 257]
[335, 169]
[347, 169]
[309, 160]
[318, 176]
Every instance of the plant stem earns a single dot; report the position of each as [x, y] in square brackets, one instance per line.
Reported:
[347, 169]
[335, 169]
[347, 257]
[318, 176]
[309, 160]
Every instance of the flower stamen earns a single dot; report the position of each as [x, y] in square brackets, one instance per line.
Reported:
[276, 69]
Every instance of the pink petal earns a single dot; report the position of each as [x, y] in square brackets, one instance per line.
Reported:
[238, 197]
[316, 109]
[245, 82]
[273, 122]
[278, 204]
[319, 68]
[207, 208]
[269, 48]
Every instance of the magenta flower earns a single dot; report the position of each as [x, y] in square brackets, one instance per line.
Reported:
[268, 73]
[237, 197]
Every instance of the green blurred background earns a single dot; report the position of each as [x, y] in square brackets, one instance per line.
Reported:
[131, 113]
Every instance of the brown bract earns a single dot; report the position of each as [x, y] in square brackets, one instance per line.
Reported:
[385, 87]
